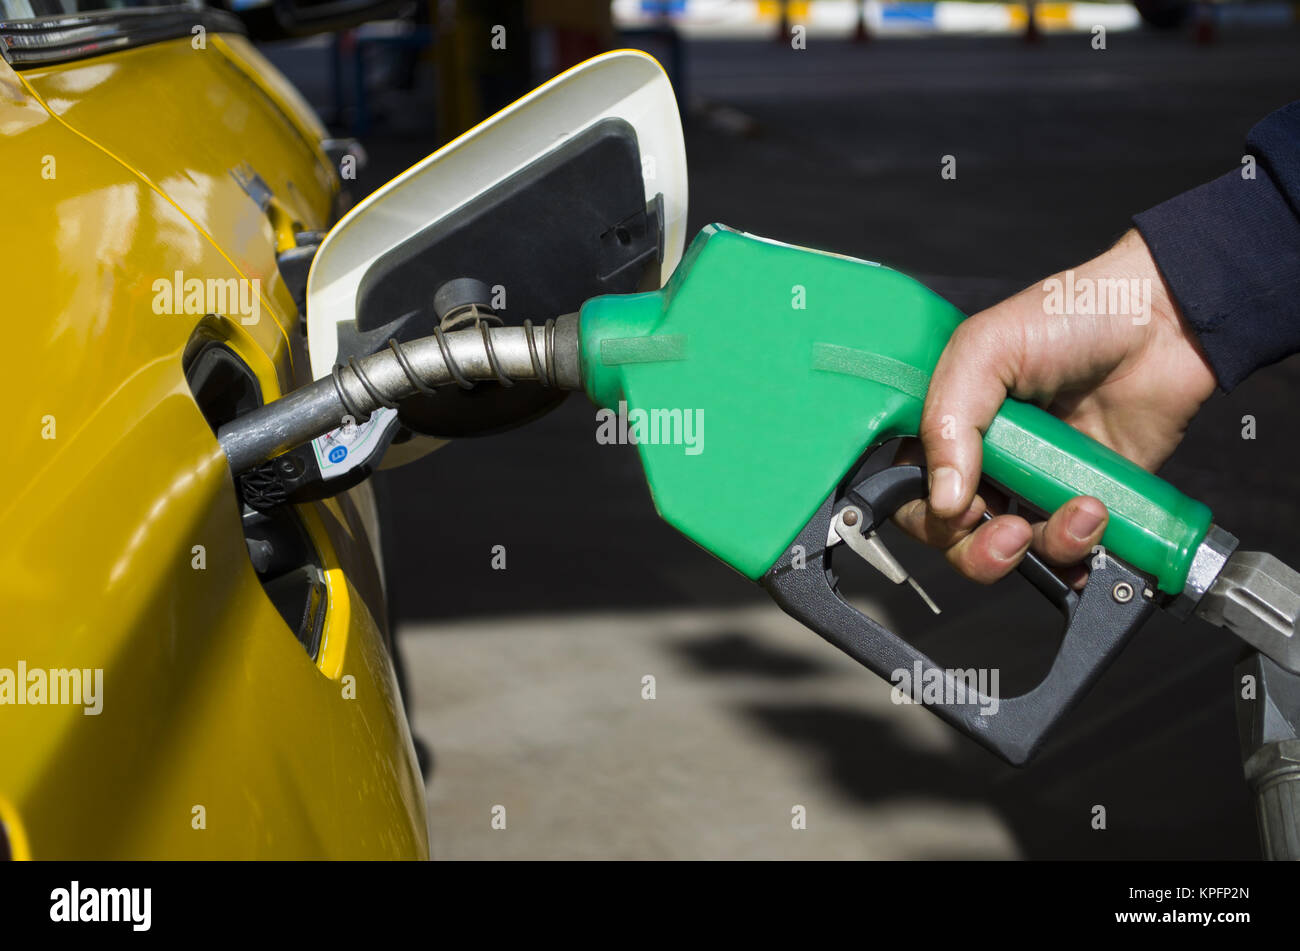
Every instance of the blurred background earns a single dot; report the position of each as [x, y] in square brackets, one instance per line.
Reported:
[526, 683]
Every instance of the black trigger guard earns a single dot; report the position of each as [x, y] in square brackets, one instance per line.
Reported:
[1098, 623]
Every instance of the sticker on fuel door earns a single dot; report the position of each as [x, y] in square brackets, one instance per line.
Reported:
[353, 444]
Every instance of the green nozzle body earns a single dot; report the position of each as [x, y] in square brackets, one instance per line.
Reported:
[757, 378]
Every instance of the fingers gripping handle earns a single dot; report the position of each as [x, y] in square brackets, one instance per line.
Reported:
[1099, 622]
[1047, 462]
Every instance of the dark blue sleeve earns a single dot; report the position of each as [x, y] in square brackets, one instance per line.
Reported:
[1230, 253]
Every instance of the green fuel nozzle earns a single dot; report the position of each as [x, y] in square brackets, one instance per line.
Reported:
[791, 365]
[797, 362]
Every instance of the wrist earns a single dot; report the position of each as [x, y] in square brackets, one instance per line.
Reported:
[1167, 329]
[1130, 259]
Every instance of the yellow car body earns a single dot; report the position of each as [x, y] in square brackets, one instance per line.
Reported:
[218, 735]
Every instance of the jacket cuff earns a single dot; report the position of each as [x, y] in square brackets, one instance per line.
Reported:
[1230, 253]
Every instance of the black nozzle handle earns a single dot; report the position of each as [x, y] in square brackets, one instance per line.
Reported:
[1098, 623]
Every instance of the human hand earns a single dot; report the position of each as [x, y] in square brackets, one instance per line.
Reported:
[1132, 382]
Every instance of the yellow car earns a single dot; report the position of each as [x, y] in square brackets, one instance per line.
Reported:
[181, 675]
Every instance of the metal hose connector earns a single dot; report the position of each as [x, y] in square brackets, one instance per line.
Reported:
[546, 354]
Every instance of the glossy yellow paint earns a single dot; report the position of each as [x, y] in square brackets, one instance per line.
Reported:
[192, 123]
[119, 175]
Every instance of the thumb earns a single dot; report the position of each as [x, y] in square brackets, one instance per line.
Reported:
[970, 382]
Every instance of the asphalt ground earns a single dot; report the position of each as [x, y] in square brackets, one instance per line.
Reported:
[527, 682]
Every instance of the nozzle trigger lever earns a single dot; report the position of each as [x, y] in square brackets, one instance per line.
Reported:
[847, 526]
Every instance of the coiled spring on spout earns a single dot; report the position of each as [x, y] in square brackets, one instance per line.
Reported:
[542, 361]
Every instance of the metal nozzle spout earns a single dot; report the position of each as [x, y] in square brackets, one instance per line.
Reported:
[547, 354]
